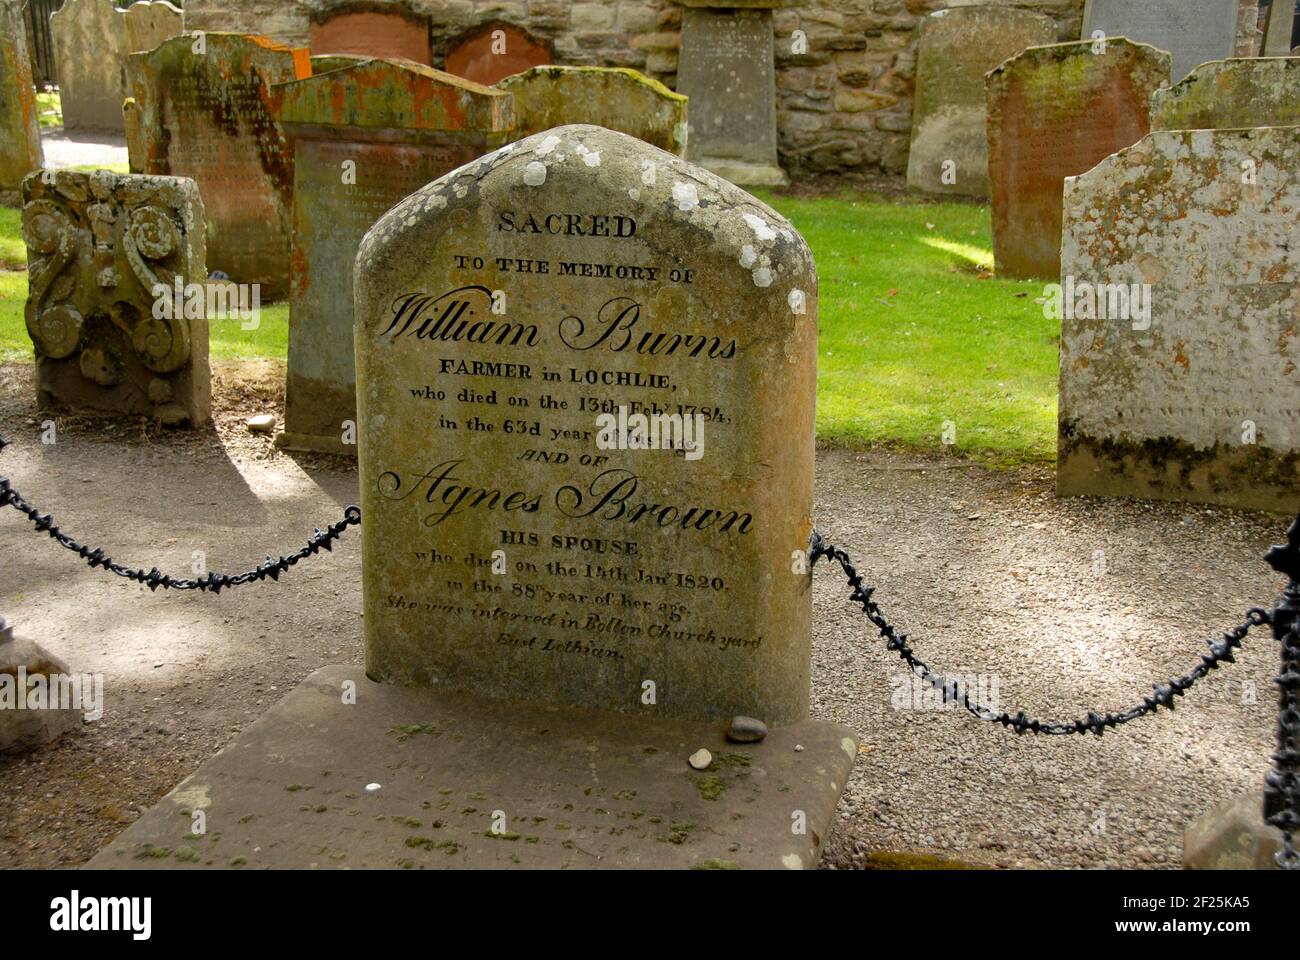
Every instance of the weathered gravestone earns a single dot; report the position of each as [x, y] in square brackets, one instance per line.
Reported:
[113, 265]
[1054, 112]
[1179, 364]
[364, 137]
[20, 132]
[620, 99]
[499, 310]
[1225, 94]
[1194, 31]
[392, 34]
[1280, 34]
[727, 69]
[201, 108]
[91, 41]
[955, 49]
[493, 52]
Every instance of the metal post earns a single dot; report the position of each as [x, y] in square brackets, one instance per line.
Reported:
[1282, 784]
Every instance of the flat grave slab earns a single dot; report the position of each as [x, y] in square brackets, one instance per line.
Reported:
[567, 788]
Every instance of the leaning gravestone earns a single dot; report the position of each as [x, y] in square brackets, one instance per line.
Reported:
[1193, 32]
[201, 108]
[364, 137]
[640, 596]
[727, 69]
[616, 98]
[955, 49]
[149, 23]
[20, 132]
[1055, 112]
[367, 32]
[1227, 94]
[1179, 364]
[113, 264]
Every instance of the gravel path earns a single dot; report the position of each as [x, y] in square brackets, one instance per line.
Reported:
[81, 149]
[987, 570]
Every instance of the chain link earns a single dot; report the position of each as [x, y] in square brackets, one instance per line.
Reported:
[153, 578]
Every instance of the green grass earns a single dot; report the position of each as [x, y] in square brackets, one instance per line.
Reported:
[49, 111]
[13, 252]
[914, 335]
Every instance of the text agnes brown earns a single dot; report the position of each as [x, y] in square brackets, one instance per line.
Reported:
[451, 318]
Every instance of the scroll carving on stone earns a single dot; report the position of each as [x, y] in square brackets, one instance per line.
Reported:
[113, 262]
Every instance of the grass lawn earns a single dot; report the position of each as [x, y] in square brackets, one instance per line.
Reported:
[915, 336]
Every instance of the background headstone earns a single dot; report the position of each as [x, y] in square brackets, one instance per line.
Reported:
[1281, 28]
[399, 126]
[23, 730]
[727, 69]
[490, 54]
[955, 49]
[98, 246]
[1223, 94]
[20, 131]
[90, 46]
[622, 276]
[372, 33]
[208, 116]
[1194, 31]
[620, 99]
[149, 23]
[1055, 112]
[1195, 400]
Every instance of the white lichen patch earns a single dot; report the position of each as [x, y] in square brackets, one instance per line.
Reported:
[792, 861]
[798, 301]
[590, 157]
[547, 146]
[634, 193]
[761, 229]
[762, 277]
[535, 173]
[685, 196]
[747, 256]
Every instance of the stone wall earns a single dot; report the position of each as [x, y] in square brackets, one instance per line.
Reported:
[843, 105]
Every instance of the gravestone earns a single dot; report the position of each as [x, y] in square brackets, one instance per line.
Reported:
[149, 23]
[577, 273]
[1193, 32]
[208, 116]
[371, 33]
[616, 98]
[20, 132]
[1055, 112]
[89, 47]
[107, 255]
[1223, 94]
[558, 277]
[491, 53]
[1280, 34]
[1179, 376]
[364, 137]
[955, 48]
[727, 69]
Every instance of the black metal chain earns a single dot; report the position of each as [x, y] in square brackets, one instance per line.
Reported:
[153, 579]
[1282, 791]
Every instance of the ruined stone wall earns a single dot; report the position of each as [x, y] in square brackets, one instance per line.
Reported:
[844, 105]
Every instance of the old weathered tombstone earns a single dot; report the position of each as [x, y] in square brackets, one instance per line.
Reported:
[201, 108]
[955, 49]
[149, 23]
[727, 69]
[1223, 94]
[1279, 37]
[1179, 370]
[91, 41]
[1055, 112]
[364, 137]
[578, 620]
[1192, 32]
[28, 672]
[366, 31]
[495, 51]
[620, 99]
[115, 306]
[1232, 836]
[20, 131]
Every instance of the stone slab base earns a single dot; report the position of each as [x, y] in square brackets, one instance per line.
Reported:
[464, 782]
[1232, 836]
[746, 174]
[310, 443]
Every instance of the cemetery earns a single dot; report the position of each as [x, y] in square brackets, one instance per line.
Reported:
[649, 434]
